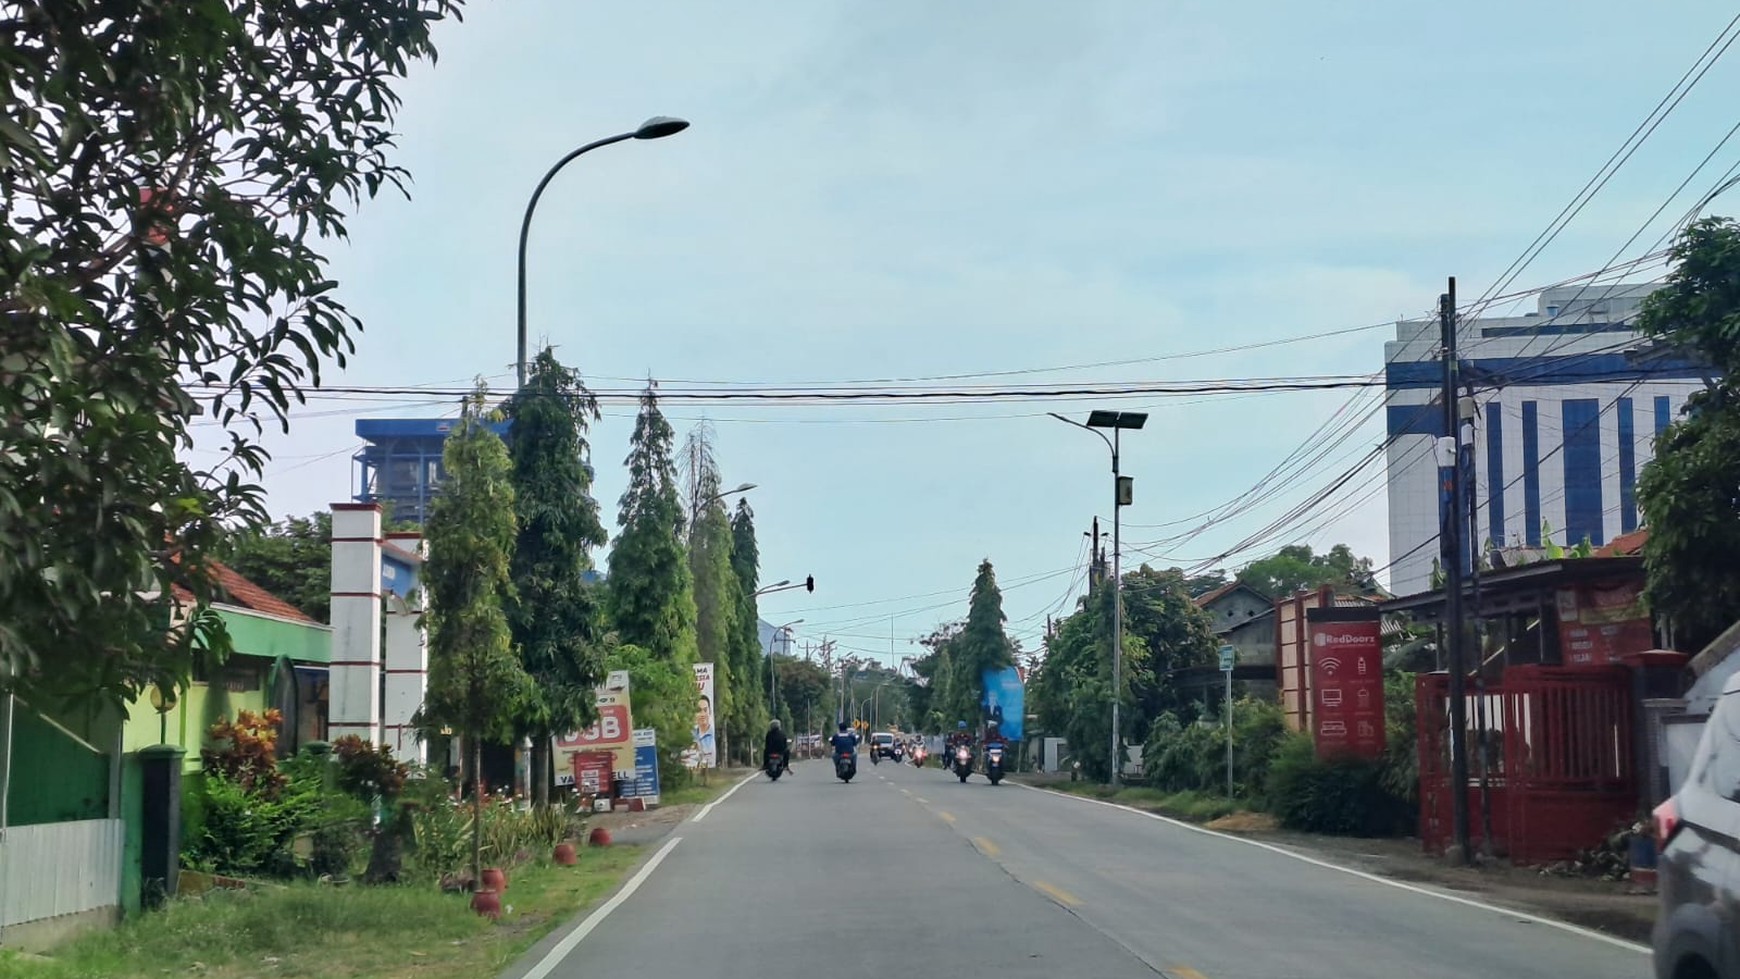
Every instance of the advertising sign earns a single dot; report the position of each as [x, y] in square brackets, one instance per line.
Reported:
[645, 784]
[1005, 701]
[613, 732]
[704, 751]
[1599, 623]
[1347, 681]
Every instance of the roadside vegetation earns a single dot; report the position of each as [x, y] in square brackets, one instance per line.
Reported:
[308, 928]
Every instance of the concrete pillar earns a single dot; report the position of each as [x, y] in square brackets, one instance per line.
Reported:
[355, 701]
[407, 654]
[160, 822]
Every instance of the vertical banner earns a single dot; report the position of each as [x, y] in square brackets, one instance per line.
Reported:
[1347, 681]
[1005, 701]
[704, 752]
[613, 732]
[646, 767]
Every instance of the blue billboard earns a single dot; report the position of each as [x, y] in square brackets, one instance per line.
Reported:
[1006, 701]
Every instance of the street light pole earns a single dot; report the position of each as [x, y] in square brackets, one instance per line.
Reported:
[654, 128]
[1117, 421]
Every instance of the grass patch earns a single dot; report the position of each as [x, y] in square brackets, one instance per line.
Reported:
[314, 930]
[696, 794]
[1195, 807]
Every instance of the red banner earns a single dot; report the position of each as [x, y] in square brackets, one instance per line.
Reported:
[1347, 681]
[1600, 623]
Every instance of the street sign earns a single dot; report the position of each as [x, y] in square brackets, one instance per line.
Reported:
[1227, 655]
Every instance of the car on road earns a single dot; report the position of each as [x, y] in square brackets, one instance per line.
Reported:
[1697, 932]
[882, 742]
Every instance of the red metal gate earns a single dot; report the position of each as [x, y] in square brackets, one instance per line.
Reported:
[1559, 753]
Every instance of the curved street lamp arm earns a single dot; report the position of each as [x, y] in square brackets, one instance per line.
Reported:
[525, 231]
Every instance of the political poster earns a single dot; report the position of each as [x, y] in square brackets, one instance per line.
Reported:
[612, 732]
[704, 751]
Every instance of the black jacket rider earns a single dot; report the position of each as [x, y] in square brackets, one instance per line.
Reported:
[776, 743]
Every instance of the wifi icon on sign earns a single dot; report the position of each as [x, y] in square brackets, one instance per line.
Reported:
[1330, 665]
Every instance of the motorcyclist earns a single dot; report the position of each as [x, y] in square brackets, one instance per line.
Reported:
[776, 744]
[846, 740]
[961, 737]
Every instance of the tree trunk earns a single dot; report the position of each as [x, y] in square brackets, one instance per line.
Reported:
[476, 812]
[541, 775]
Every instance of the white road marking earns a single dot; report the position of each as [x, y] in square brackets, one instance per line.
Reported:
[593, 920]
[1374, 878]
[709, 806]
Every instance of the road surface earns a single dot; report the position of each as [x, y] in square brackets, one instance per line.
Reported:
[908, 874]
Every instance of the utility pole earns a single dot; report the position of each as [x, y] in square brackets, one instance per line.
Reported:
[1451, 553]
[1470, 412]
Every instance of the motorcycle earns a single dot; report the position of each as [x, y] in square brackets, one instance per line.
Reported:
[994, 763]
[918, 754]
[845, 765]
[963, 762]
[775, 766]
[899, 753]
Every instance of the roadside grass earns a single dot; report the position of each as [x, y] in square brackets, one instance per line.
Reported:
[1191, 806]
[308, 929]
[698, 793]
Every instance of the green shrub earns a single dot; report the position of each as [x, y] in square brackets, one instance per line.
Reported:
[247, 831]
[1192, 757]
[1342, 795]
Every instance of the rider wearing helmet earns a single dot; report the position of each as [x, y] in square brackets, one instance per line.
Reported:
[775, 744]
[844, 741]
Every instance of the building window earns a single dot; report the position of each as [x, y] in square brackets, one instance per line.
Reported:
[1495, 472]
[1627, 468]
[1531, 436]
[1582, 451]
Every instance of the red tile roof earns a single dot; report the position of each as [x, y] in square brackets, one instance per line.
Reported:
[236, 590]
[1624, 544]
[1206, 598]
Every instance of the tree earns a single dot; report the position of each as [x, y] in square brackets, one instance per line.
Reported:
[292, 559]
[1687, 493]
[475, 681]
[806, 691]
[1295, 568]
[554, 615]
[1176, 634]
[649, 591]
[748, 662]
[1202, 584]
[167, 170]
[1072, 692]
[981, 645]
[717, 598]
[661, 695]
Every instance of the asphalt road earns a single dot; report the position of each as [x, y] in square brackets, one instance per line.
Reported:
[908, 874]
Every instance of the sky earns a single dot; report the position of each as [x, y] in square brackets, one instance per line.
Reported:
[914, 189]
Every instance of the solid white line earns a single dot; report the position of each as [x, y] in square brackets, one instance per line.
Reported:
[709, 806]
[1374, 878]
[593, 920]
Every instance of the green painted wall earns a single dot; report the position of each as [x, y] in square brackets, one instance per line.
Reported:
[54, 777]
[240, 684]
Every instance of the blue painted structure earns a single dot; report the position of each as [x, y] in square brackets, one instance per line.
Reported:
[400, 466]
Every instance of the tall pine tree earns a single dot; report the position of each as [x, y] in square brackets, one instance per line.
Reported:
[649, 590]
[747, 660]
[555, 614]
[475, 682]
[716, 592]
[981, 645]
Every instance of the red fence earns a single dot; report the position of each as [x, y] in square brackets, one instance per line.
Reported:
[1558, 749]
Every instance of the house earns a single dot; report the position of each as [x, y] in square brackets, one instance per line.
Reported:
[85, 795]
[1244, 619]
[280, 660]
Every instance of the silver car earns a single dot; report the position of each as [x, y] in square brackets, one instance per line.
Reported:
[1698, 831]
